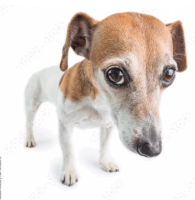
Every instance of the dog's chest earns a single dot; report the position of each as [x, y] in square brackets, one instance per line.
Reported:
[95, 114]
[88, 114]
[94, 119]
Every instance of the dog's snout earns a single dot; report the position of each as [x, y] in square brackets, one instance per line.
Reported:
[148, 150]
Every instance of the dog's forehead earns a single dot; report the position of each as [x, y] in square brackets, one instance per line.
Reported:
[131, 33]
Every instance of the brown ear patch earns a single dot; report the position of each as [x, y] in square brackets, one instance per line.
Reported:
[64, 59]
[77, 82]
[79, 36]
[179, 47]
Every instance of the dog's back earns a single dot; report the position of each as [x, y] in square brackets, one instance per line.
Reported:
[43, 85]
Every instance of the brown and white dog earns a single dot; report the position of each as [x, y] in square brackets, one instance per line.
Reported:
[130, 59]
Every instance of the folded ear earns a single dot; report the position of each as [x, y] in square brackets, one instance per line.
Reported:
[179, 47]
[79, 37]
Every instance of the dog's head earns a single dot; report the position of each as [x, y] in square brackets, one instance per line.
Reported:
[134, 57]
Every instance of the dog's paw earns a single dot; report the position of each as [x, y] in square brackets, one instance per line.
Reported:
[109, 167]
[69, 177]
[30, 142]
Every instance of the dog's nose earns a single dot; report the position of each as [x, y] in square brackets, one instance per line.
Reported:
[148, 150]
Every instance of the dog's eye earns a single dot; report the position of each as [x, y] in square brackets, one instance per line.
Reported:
[116, 76]
[168, 76]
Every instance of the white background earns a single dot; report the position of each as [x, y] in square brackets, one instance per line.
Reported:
[31, 38]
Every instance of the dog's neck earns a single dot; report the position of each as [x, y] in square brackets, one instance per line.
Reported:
[77, 82]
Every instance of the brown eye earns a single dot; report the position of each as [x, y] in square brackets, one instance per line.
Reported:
[116, 76]
[169, 75]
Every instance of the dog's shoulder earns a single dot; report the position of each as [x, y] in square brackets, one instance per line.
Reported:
[77, 82]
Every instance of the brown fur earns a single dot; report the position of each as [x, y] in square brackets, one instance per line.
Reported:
[179, 48]
[77, 82]
[77, 36]
[117, 34]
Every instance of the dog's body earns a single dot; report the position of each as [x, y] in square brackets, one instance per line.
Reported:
[87, 113]
[129, 59]
[44, 86]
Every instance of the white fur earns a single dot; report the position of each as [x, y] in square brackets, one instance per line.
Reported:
[44, 86]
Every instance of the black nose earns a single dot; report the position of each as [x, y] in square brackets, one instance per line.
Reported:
[145, 149]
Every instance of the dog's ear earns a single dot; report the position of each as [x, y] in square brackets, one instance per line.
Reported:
[79, 37]
[179, 47]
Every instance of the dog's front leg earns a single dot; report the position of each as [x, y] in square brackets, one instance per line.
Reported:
[105, 160]
[68, 174]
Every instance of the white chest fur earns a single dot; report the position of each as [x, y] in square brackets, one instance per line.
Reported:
[85, 113]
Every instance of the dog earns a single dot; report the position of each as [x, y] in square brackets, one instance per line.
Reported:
[129, 60]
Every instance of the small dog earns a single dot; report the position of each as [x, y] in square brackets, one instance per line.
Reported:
[130, 59]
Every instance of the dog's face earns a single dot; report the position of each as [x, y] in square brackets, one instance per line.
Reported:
[134, 57]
